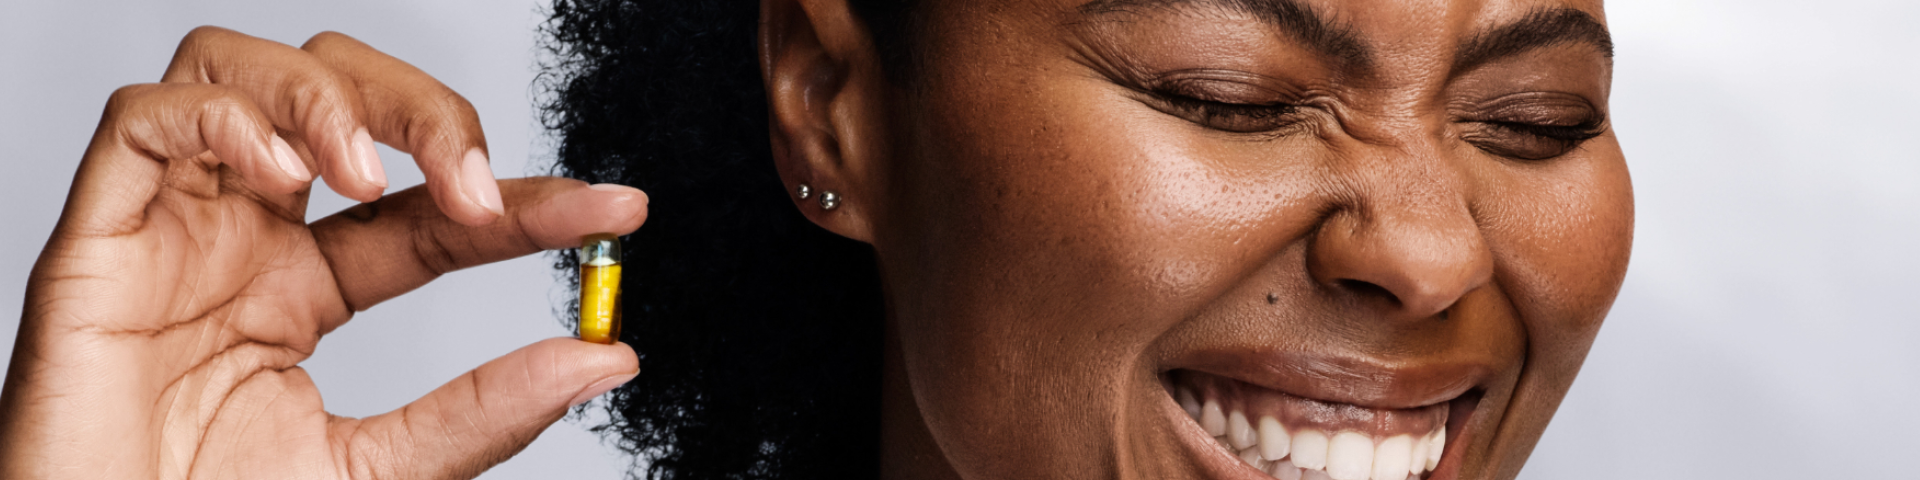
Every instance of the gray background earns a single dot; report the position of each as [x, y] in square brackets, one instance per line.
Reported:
[1766, 329]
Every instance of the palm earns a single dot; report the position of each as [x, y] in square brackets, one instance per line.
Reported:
[232, 294]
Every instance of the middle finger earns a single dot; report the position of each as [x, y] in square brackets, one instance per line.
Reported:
[299, 93]
[415, 113]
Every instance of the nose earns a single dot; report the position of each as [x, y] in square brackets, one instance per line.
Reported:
[1414, 247]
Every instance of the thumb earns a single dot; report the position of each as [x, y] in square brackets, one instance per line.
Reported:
[489, 414]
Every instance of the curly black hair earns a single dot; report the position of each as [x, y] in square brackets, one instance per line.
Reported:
[759, 333]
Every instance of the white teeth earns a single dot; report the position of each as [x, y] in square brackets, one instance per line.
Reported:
[1188, 403]
[1308, 453]
[1391, 457]
[1436, 446]
[1252, 457]
[1310, 449]
[1274, 441]
[1418, 462]
[1284, 470]
[1212, 419]
[1240, 432]
[1349, 456]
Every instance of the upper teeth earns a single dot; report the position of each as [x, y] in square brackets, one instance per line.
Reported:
[1306, 453]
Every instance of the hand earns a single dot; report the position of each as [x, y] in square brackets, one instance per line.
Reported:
[166, 319]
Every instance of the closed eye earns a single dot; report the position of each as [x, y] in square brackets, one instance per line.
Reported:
[1227, 116]
[1533, 141]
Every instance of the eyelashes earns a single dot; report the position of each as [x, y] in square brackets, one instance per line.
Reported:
[1220, 99]
[1538, 136]
[1530, 140]
[1230, 117]
[1574, 133]
[1532, 125]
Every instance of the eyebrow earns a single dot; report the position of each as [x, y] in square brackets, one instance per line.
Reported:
[1539, 29]
[1330, 40]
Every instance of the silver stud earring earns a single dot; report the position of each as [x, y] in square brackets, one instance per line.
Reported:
[829, 200]
[804, 191]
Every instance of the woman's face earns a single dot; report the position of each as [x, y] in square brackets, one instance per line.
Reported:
[1112, 230]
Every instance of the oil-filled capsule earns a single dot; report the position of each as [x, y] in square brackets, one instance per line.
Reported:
[600, 288]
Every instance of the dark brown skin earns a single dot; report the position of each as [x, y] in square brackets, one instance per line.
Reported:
[1060, 227]
[1072, 205]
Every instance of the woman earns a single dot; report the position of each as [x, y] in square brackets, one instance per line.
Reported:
[1156, 238]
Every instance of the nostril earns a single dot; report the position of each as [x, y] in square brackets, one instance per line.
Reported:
[1367, 289]
[1406, 259]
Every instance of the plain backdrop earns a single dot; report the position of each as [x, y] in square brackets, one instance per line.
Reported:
[1766, 329]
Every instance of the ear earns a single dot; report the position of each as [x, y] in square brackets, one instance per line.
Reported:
[825, 93]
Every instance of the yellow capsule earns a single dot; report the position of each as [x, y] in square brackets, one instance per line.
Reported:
[600, 288]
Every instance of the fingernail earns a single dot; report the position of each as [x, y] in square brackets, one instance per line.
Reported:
[618, 188]
[289, 160]
[613, 187]
[476, 178]
[603, 386]
[367, 160]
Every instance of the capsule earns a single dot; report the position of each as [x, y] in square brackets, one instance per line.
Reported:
[600, 288]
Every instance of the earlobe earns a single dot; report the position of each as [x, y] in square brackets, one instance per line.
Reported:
[810, 54]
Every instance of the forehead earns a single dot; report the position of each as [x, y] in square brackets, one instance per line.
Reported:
[1364, 38]
[1348, 9]
[1380, 23]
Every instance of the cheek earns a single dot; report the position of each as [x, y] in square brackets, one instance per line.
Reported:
[1562, 232]
[1045, 253]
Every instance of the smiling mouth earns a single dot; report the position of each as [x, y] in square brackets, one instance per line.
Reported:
[1292, 438]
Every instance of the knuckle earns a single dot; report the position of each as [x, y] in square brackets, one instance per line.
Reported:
[443, 104]
[433, 253]
[125, 118]
[327, 40]
[439, 119]
[180, 121]
[204, 35]
[125, 97]
[455, 104]
[228, 112]
[324, 95]
[375, 456]
[201, 40]
[319, 89]
[142, 108]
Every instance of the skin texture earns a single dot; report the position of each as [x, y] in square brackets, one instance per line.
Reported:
[1069, 204]
[1058, 231]
[166, 319]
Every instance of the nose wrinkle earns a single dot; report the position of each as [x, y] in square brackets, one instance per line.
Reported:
[1420, 252]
